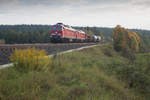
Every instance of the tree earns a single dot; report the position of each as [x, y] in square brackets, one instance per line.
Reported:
[124, 38]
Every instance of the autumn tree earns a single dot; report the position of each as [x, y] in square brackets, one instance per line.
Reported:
[124, 38]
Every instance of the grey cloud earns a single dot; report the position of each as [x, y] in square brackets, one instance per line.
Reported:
[40, 2]
[6, 5]
[70, 5]
[8, 2]
[57, 2]
[9, 5]
[107, 1]
[142, 3]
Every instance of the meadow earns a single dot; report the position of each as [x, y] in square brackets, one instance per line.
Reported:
[97, 73]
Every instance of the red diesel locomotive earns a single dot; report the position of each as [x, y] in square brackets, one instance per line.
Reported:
[63, 33]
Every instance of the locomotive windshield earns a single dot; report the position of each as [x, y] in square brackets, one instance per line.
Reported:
[59, 28]
[54, 28]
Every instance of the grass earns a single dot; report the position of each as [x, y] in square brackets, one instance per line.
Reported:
[97, 73]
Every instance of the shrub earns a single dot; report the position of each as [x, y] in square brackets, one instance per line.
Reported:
[2, 41]
[128, 53]
[30, 59]
[108, 51]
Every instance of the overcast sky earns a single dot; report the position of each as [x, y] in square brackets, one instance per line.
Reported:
[104, 13]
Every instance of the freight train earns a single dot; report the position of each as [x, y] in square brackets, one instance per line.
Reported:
[64, 33]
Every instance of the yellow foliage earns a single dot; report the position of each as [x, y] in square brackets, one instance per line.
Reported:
[2, 41]
[30, 59]
[125, 38]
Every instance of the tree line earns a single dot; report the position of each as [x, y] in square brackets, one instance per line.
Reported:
[40, 33]
[24, 33]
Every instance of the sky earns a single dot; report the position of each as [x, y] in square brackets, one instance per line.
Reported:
[100, 13]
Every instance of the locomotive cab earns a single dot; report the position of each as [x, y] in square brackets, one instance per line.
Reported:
[56, 33]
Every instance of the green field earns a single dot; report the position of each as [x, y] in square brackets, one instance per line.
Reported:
[97, 73]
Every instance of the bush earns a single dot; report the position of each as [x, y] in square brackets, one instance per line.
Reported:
[108, 51]
[128, 53]
[30, 59]
[2, 41]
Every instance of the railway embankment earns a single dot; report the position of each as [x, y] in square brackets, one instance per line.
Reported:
[97, 73]
[7, 49]
[53, 53]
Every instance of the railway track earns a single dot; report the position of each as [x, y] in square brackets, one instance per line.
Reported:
[7, 49]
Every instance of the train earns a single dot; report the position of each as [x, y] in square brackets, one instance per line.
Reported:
[64, 33]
